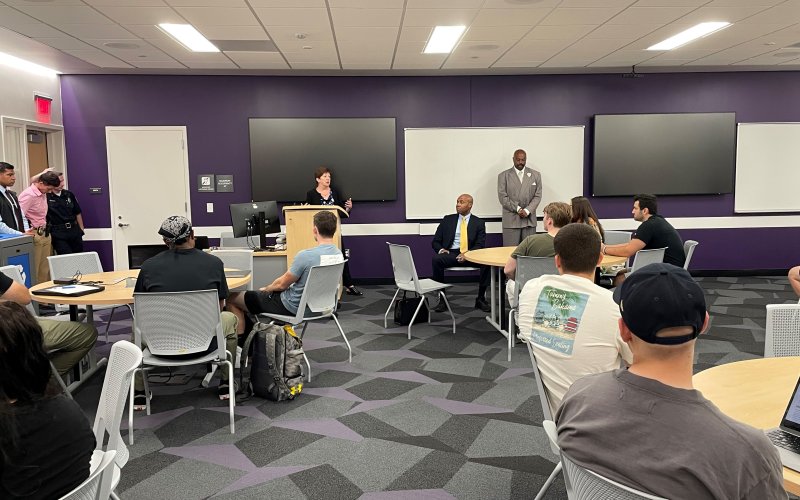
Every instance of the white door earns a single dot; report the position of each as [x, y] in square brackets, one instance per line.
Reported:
[148, 173]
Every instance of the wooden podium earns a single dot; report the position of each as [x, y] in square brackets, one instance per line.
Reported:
[299, 224]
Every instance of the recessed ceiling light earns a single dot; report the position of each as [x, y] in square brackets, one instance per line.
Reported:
[22, 64]
[443, 39]
[189, 37]
[121, 45]
[693, 33]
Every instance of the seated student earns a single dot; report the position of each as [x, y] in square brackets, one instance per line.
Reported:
[72, 339]
[46, 441]
[571, 322]
[794, 279]
[450, 246]
[646, 426]
[183, 268]
[583, 212]
[282, 296]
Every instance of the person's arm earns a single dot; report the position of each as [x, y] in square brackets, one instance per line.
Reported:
[510, 268]
[281, 283]
[79, 218]
[537, 197]
[5, 229]
[502, 194]
[624, 249]
[438, 239]
[17, 293]
[312, 197]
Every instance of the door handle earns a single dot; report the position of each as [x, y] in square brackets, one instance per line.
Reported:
[123, 225]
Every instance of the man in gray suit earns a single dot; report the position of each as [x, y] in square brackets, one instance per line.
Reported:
[519, 190]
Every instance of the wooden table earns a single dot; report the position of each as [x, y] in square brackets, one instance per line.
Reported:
[755, 392]
[496, 258]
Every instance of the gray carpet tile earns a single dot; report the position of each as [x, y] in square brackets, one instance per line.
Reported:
[441, 415]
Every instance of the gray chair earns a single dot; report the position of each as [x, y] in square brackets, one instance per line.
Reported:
[616, 237]
[123, 360]
[320, 296]
[688, 249]
[547, 414]
[583, 484]
[179, 324]
[238, 258]
[646, 257]
[77, 264]
[90, 489]
[528, 268]
[406, 279]
[782, 336]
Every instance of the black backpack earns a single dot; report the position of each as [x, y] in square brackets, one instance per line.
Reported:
[276, 369]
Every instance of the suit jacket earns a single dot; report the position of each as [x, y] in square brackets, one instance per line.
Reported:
[512, 193]
[7, 212]
[446, 233]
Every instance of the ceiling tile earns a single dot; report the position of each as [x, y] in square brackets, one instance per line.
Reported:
[57, 15]
[325, 56]
[506, 4]
[221, 64]
[297, 46]
[510, 63]
[218, 16]
[354, 47]
[416, 33]
[366, 66]
[208, 3]
[11, 17]
[478, 62]
[233, 32]
[314, 65]
[413, 48]
[49, 2]
[622, 58]
[670, 3]
[83, 31]
[141, 15]
[366, 34]
[438, 17]
[649, 15]
[418, 61]
[64, 43]
[364, 4]
[36, 30]
[510, 17]
[145, 63]
[311, 34]
[481, 33]
[299, 4]
[629, 31]
[730, 14]
[444, 4]
[258, 60]
[580, 16]
[98, 58]
[366, 17]
[597, 3]
[127, 3]
[145, 30]
[572, 32]
[787, 12]
[293, 17]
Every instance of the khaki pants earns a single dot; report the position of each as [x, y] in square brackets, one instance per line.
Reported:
[229, 324]
[72, 339]
[42, 248]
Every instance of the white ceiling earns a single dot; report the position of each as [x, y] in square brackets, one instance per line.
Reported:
[387, 36]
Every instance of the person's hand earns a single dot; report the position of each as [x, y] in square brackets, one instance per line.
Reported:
[460, 257]
[444, 250]
[263, 289]
[348, 205]
[522, 213]
[30, 231]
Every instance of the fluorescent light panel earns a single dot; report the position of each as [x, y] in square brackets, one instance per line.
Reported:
[693, 33]
[443, 39]
[189, 37]
[22, 64]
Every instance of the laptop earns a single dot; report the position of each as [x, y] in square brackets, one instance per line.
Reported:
[787, 437]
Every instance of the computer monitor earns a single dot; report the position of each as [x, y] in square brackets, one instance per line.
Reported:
[257, 218]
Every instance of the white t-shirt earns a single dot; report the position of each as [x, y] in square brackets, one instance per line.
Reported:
[573, 327]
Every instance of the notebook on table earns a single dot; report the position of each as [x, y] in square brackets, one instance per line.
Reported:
[69, 290]
[786, 437]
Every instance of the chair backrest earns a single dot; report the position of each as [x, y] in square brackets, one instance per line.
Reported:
[124, 358]
[403, 266]
[645, 257]
[688, 249]
[783, 330]
[617, 237]
[544, 399]
[14, 273]
[529, 268]
[174, 323]
[88, 490]
[238, 258]
[68, 265]
[320, 293]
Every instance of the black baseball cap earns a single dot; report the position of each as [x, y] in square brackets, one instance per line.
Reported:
[660, 296]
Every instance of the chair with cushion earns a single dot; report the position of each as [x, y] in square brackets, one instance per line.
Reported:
[89, 489]
[583, 484]
[528, 268]
[123, 360]
[239, 258]
[76, 265]
[178, 328]
[320, 296]
[783, 330]
[406, 279]
[547, 415]
[688, 249]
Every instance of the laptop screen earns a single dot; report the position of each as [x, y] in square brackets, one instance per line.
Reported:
[791, 418]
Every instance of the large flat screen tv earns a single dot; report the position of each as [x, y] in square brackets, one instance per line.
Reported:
[679, 153]
[361, 153]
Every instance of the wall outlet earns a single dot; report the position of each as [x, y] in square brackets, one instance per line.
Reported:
[210, 208]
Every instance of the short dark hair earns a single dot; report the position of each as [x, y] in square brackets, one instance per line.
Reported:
[325, 222]
[50, 179]
[578, 248]
[560, 212]
[24, 366]
[5, 166]
[320, 171]
[647, 201]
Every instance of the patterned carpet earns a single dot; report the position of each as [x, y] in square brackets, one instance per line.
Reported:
[441, 416]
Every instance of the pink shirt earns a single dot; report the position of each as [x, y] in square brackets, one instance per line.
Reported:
[34, 205]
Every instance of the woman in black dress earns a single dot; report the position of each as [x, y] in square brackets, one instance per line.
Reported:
[324, 194]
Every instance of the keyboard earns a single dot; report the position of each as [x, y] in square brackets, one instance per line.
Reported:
[783, 439]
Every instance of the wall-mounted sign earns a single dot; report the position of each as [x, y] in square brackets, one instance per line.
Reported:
[225, 183]
[205, 183]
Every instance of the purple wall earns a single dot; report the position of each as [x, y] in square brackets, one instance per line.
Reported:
[215, 110]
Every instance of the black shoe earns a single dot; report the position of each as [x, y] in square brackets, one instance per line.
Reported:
[440, 307]
[140, 400]
[480, 303]
[352, 290]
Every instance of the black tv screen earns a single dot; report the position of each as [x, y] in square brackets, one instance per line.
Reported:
[680, 153]
[361, 153]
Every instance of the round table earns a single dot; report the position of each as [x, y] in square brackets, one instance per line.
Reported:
[755, 392]
[498, 256]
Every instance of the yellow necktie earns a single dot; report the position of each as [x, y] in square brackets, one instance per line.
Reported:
[462, 247]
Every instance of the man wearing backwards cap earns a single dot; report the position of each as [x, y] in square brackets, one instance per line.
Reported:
[646, 427]
[183, 268]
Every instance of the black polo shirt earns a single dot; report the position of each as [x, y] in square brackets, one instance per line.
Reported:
[62, 208]
[656, 232]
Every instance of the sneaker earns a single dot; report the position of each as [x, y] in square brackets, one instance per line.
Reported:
[480, 303]
[223, 390]
[352, 290]
[140, 400]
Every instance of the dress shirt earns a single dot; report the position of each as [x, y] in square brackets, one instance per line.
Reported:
[4, 228]
[34, 205]
[457, 240]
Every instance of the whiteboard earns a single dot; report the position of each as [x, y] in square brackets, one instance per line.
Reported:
[767, 167]
[442, 163]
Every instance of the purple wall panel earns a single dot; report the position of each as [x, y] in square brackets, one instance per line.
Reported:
[215, 110]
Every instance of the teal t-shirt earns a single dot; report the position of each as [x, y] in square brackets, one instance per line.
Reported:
[302, 263]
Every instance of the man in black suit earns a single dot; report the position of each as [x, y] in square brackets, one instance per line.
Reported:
[450, 246]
